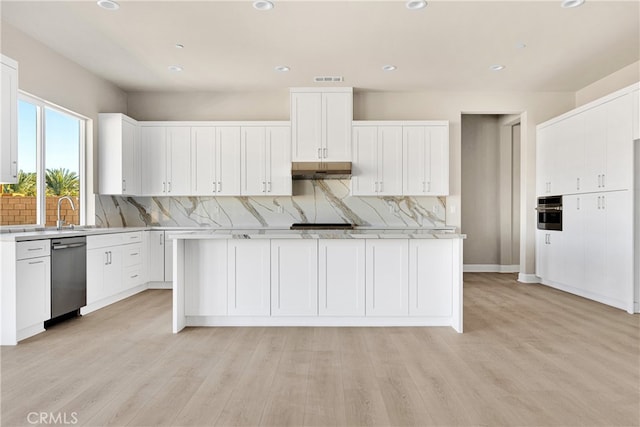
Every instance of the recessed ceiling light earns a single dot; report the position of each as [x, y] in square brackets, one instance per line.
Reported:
[108, 4]
[571, 3]
[263, 5]
[520, 45]
[179, 46]
[389, 67]
[416, 4]
[175, 68]
[282, 68]
[497, 67]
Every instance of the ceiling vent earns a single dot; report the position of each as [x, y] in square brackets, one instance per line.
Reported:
[328, 79]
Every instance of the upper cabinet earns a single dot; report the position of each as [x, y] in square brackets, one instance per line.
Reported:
[265, 168]
[9, 111]
[588, 150]
[426, 159]
[215, 156]
[118, 154]
[321, 124]
[166, 169]
[377, 161]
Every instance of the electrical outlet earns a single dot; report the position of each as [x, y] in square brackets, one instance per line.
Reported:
[280, 209]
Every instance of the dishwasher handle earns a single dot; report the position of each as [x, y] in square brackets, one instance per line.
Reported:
[69, 246]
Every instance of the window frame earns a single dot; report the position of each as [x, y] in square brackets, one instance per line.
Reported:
[40, 105]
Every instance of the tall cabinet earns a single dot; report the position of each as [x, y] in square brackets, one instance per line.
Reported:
[119, 154]
[9, 111]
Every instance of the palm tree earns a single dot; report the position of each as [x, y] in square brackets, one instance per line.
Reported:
[62, 182]
[25, 186]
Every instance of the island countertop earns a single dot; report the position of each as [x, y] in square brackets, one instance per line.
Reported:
[357, 233]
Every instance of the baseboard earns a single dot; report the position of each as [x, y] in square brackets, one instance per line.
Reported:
[112, 299]
[160, 285]
[528, 278]
[490, 268]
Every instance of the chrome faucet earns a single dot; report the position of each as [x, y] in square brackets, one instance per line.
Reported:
[60, 222]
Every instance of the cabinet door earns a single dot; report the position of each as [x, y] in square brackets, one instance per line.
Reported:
[594, 244]
[337, 115]
[306, 126]
[364, 180]
[97, 260]
[570, 156]
[168, 259]
[206, 278]
[341, 277]
[390, 160]
[228, 161]
[617, 206]
[550, 256]
[130, 158]
[9, 111]
[203, 158]
[278, 161]
[249, 278]
[430, 277]
[294, 277]
[155, 256]
[387, 282]
[544, 159]
[415, 155]
[113, 283]
[178, 161]
[253, 156]
[438, 161]
[542, 255]
[595, 140]
[33, 291]
[619, 146]
[153, 162]
[573, 236]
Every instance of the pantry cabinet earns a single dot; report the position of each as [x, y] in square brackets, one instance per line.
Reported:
[249, 284]
[321, 124]
[294, 277]
[377, 160]
[215, 155]
[265, 161]
[166, 169]
[341, 277]
[118, 154]
[387, 282]
[9, 117]
[426, 160]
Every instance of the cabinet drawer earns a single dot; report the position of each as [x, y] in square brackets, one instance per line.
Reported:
[33, 249]
[132, 277]
[103, 241]
[132, 255]
[134, 237]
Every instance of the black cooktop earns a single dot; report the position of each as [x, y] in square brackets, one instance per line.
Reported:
[321, 226]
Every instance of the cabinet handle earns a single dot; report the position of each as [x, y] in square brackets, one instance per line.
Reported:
[319, 153]
[325, 152]
[603, 182]
[14, 169]
[124, 185]
[169, 186]
[110, 258]
[269, 187]
[35, 249]
[381, 186]
[106, 255]
[219, 186]
[578, 203]
[36, 262]
[375, 187]
[429, 186]
[134, 276]
[603, 204]
[599, 202]
[164, 188]
[424, 187]
[264, 187]
[577, 183]
[162, 239]
[135, 253]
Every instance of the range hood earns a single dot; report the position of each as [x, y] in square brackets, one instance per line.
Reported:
[321, 170]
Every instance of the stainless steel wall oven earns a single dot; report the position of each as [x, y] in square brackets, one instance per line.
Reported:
[550, 213]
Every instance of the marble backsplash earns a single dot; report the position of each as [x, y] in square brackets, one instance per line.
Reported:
[313, 201]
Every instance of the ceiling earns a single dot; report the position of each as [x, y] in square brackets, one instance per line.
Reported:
[230, 46]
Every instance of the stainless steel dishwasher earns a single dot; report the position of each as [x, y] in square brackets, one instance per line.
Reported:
[68, 276]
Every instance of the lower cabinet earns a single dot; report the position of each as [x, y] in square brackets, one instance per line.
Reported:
[294, 277]
[431, 277]
[33, 292]
[156, 256]
[249, 287]
[550, 255]
[387, 282]
[341, 277]
[206, 273]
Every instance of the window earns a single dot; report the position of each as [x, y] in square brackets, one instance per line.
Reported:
[50, 152]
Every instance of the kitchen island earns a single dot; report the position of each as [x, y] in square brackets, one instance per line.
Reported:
[361, 277]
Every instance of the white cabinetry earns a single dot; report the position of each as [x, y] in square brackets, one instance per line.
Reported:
[387, 282]
[118, 154]
[216, 159]
[294, 277]
[377, 160]
[341, 277]
[206, 272]
[431, 277]
[155, 256]
[265, 161]
[426, 160]
[33, 287]
[166, 168]
[9, 112]
[321, 124]
[549, 255]
[249, 278]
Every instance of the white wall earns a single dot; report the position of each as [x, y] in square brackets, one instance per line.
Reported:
[620, 79]
[50, 76]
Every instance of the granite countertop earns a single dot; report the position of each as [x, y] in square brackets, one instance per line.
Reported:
[17, 235]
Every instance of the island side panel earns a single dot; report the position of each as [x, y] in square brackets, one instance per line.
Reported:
[179, 319]
[458, 300]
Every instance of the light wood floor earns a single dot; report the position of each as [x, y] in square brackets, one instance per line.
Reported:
[530, 355]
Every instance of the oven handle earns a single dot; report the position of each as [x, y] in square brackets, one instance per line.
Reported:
[550, 209]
